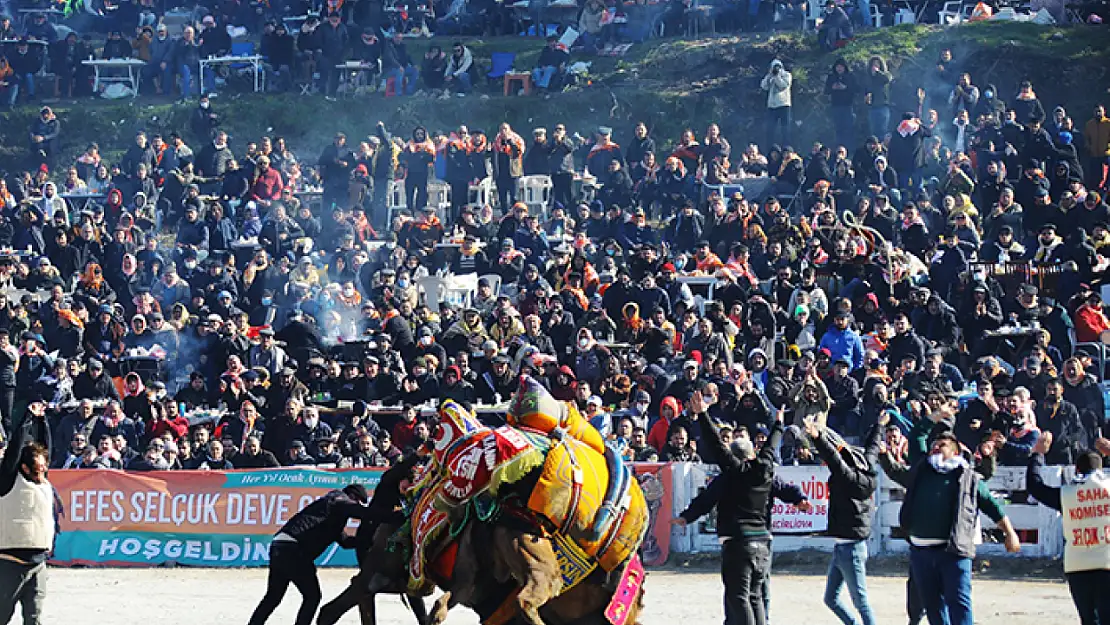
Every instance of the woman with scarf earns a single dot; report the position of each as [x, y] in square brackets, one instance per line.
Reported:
[645, 181]
[113, 206]
[632, 326]
[123, 280]
[93, 289]
[579, 264]
[673, 186]
[136, 403]
[688, 151]
[417, 158]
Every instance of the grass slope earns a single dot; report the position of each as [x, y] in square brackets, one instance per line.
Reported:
[671, 84]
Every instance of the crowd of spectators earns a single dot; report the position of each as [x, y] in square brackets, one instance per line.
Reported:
[958, 250]
[328, 46]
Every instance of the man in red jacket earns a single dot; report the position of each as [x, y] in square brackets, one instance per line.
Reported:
[267, 187]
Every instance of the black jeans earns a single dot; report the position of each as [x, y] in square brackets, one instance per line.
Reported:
[506, 194]
[416, 194]
[745, 562]
[289, 564]
[561, 190]
[7, 407]
[1088, 592]
[915, 609]
[460, 197]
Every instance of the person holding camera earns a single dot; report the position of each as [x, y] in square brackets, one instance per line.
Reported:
[777, 84]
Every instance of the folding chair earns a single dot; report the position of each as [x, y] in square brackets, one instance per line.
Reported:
[500, 64]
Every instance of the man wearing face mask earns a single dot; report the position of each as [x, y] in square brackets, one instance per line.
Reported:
[426, 345]
[944, 495]
[26, 520]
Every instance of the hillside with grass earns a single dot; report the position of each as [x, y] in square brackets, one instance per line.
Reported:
[671, 84]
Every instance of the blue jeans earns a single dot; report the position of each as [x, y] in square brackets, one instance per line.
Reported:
[849, 567]
[844, 122]
[944, 583]
[14, 86]
[463, 83]
[154, 70]
[186, 72]
[912, 177]
[400, 74]
[879, 116]
[542, 76]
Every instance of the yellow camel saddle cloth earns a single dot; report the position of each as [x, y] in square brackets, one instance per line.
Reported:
[570, 493]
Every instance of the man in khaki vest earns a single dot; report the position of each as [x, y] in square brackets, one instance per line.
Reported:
[26, 522]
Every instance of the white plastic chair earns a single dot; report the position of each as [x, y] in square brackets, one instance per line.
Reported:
[457, 290]
[481, 194]
[950, 13]
[439, 194]
[395, 199]
[535, 191]
[904, 16]
[876, 16]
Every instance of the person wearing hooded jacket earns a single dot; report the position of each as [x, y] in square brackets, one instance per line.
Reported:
[777, 83]
[303, 539]
[853, 478]
[743, 506]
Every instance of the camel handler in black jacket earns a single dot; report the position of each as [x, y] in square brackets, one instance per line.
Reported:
[742, 509]
[853, 478]
[302, 539]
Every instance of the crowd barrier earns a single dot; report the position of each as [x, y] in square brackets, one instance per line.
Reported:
[1039, 527]
[227, 519]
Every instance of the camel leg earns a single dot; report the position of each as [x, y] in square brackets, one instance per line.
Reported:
[532, 562]
[464, 578]
[419, 610]
[441, 607]
[367, 611]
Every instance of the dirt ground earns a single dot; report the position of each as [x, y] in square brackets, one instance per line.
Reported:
[190, 596]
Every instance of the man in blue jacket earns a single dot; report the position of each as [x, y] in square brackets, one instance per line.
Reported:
[842, 341]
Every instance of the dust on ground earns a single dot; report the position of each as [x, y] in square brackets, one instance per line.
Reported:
[180, 596]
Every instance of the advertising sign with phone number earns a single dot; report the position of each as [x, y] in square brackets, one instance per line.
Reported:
[787, 518]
